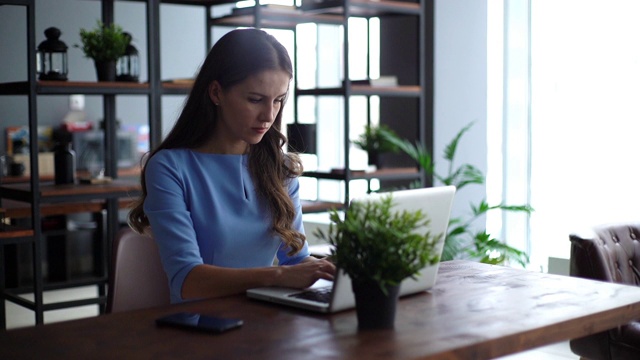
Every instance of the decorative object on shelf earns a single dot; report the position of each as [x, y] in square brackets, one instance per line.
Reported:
[105, 44]
[464, 239]
[128, 66]
[64, 164]
[302, 138]
[5, 160]
[52, 62]
[374, 142]
[378, 248]
[382, 81]
[64, 158]
[16, 169]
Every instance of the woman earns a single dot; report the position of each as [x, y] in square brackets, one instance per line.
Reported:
[219, 194]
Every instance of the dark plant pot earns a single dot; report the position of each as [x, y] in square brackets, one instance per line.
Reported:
[374, 158]
[106, 70]
[375, 309]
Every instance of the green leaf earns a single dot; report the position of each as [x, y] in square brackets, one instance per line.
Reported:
[461, 240]
[377, 139]
[104, 42]
[450, 149]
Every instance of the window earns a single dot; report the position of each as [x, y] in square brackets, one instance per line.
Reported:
[572, 70]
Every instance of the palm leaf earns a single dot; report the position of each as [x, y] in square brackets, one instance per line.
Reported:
[450, 149]
[460, 239]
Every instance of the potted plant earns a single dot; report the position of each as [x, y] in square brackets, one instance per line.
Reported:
[463, 239]
[105, 44]
[374, 142]
[378, 248]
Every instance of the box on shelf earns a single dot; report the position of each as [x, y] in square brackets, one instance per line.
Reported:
[45, 163]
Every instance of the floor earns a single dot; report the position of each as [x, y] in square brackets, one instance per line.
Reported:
[18, 316]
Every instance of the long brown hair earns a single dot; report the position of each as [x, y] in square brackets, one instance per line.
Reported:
[236, 56]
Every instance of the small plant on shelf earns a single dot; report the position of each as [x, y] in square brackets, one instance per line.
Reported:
[375, 141]
[105, 44]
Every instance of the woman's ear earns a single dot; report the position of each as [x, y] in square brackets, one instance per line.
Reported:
[214, 92]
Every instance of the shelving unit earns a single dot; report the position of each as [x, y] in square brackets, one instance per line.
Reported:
[39, 195]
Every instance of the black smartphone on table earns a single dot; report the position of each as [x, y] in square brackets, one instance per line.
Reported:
[199, 322]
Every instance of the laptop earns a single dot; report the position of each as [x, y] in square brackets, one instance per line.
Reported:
[333, 296]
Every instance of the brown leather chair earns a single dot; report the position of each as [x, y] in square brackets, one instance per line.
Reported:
[610, 253]
[136, 277]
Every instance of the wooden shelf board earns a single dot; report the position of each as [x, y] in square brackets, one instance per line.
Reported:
[74, 87]
[50, 192]
[319, 206]
[20, 209]
[278, 18]
[384, 173]
[402, 91]
[11, 232]
[371, 8]
[122, 172]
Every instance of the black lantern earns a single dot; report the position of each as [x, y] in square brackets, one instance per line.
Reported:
[52, 57]
[128, 67]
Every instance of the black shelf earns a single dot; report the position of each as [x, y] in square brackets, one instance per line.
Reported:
[50, 193]
[390, 91]
[16, 2]
[14, 235]
[382, 174]
[74, 87]
[37, 194]
[274, 18]
[372, 8]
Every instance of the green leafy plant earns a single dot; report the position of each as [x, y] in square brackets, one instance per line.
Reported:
[375, 138]
[372, 242]
[462, 239]
[104, 42]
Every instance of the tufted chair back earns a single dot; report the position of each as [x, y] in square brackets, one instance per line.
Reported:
[609, 253]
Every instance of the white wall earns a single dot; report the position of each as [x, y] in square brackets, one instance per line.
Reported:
[461, 87]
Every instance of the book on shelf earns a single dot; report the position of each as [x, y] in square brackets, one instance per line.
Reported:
[382, 81]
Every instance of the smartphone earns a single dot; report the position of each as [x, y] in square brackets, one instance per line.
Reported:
[199, 322]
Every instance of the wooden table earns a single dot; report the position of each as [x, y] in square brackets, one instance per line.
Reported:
[475, 311]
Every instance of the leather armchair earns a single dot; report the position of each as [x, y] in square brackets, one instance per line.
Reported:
[610, 253]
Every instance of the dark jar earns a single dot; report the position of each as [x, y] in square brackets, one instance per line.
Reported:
[64, 159]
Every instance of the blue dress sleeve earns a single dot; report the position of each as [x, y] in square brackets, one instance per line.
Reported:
[170, 221]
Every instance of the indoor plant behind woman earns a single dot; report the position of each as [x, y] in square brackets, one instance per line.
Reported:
[378, 248]
[105, 44]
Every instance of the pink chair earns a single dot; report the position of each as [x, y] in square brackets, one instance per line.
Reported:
[136, 277]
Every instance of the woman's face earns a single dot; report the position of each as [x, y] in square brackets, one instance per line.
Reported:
[247, 110]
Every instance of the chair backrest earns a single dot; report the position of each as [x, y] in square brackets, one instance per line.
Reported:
[136, 277]
[610, 253]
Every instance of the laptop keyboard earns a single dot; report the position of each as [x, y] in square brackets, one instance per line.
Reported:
[322, 295]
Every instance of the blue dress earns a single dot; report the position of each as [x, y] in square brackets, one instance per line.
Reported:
[203, 209]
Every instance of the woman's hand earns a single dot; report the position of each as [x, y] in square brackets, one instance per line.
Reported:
[305, 273]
